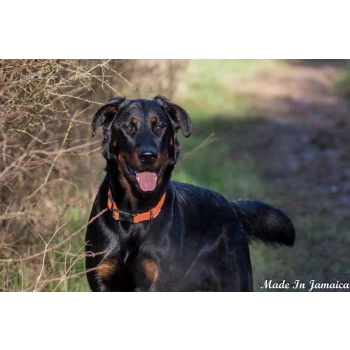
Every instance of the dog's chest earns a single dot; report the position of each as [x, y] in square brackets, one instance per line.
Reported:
[135, 263]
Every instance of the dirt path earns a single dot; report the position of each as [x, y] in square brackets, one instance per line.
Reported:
[309, 141]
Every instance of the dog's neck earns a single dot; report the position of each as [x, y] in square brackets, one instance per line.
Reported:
[127, 198]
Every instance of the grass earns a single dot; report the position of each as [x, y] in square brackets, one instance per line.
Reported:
[72, 263]
[343, 83]
[216, 110]
[64, 268]
[206, 92]
[213, 166]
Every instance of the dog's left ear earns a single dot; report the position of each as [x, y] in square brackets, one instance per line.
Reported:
[106, 113]
[177, 114]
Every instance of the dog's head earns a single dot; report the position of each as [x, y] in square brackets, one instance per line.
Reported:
[140, 137]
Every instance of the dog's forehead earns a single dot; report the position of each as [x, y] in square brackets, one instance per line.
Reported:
[143, 109]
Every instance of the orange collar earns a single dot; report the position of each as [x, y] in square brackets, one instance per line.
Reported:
[134, 218]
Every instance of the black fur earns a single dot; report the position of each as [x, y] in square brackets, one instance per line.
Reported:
[264, 223]
[198, 242]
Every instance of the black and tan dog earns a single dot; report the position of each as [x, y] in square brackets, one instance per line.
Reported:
[161, 235]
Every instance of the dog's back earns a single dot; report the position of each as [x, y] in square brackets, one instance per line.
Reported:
[260, 221]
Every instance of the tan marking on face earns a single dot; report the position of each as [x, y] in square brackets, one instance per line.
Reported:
[124, 182]
[106, 269]
[153, 119]
[171, 142]
[151, 269]
[134, 121]
[114, 143]
[165, 161]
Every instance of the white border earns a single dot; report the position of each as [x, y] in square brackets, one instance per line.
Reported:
[155, 29]
[173, 320]
[182, 29]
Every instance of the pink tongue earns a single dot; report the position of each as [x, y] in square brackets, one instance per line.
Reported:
[147, 181]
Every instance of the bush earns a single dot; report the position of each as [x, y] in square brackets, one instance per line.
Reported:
[47, 181]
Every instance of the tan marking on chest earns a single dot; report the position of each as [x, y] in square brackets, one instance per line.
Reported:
[151, 269]
[106, 269]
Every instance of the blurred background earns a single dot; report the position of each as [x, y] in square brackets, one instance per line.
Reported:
[271, 130]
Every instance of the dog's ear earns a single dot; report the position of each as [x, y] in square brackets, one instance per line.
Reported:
[106, 113]
[177, 114]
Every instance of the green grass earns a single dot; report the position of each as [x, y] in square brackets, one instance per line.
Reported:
[213, 166]
[65, 266]
[72, 261]
[216, 109]
[207, 91]
[343, 83]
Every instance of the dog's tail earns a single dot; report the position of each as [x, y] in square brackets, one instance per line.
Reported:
[264, 223]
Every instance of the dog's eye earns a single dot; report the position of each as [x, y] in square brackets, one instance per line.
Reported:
[127, 128]
[160, 127]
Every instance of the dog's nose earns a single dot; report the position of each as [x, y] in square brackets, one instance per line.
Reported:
[148, 156]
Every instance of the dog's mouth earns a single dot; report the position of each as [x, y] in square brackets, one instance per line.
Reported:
[146, 180]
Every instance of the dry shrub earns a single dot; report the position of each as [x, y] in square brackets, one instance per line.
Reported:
[50, 167]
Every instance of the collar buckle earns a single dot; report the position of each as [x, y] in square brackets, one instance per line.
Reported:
[125, 216]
